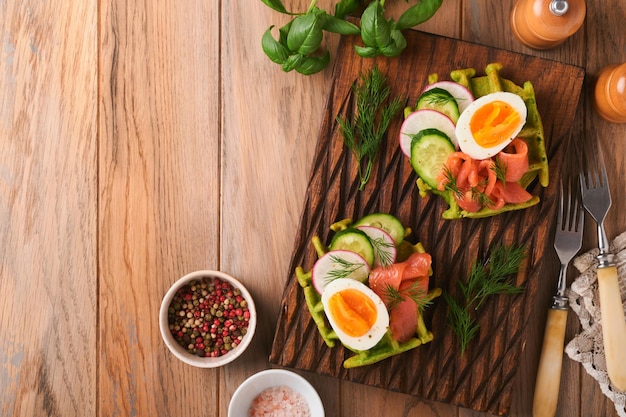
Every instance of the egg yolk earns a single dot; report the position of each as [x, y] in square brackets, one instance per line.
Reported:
[354, 312]
[494, 123]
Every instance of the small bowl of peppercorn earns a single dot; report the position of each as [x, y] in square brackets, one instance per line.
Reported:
[207, 319]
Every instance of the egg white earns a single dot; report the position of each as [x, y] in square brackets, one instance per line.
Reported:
[464, 135]
[378, 329]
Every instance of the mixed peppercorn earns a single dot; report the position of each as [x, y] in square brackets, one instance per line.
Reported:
[208, 317]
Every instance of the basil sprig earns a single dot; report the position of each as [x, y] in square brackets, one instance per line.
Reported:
[299, 44]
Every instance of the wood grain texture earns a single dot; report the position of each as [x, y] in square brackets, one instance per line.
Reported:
[158, 197]
[142, 140]
[483, 378]
[48, 214]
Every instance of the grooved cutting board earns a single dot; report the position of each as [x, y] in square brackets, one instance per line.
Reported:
[482, 379]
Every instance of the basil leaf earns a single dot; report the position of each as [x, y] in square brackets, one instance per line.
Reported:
[335, 25]
[418, 13]
[397, 45]
[276, 5]
[345, 7]
[292, 62]
[366, 51]
[284, 31]
[305, 34]
[375, 30]
[312, 64]
[274, 50]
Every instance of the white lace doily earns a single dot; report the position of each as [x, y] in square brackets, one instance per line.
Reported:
[587, 347]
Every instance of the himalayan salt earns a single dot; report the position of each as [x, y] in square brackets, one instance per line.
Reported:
[279, 401]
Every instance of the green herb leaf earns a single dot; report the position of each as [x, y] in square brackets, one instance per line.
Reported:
[292, 62]
[484, 280]
[394, 296]
[273, 49]
[335, 25]
[397, 45]
[305, 34]
[366, 51]
[375, 29]
[345, 7]
[364, 132]
[419, 13]
[276, 5]
[312, 64]
[464, 326]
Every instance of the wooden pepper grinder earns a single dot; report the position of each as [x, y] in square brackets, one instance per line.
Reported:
[544, 24]
[610, 93]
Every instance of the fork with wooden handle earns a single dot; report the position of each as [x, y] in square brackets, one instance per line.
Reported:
[597, 201]
[567, 242]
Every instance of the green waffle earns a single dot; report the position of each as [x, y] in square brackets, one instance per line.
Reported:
[532, 133]
[387, 347]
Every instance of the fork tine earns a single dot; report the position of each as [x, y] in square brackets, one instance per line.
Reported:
[581, 215]
[559, 218]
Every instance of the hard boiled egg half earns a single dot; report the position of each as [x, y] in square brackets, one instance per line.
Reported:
[357, 315]
[490, 123]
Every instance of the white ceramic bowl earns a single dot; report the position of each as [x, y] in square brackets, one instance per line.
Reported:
[190, 358]
[254, 385]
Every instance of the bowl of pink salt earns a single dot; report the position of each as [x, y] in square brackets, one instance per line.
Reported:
[276, 393]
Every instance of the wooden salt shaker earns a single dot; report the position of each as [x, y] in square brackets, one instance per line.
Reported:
[610, 93]
[544, 24]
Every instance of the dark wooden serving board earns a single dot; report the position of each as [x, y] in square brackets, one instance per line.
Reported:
[482, 379]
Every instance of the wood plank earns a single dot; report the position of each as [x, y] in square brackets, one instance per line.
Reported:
[48, 189]
[270, 122]
[158, 196]
[605, 44]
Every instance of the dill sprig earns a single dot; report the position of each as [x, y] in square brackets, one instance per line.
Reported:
[500, 169]
[394, 296]
[344, 268]
[382, 249]
[364, 133]
[438, 98]
[485, 279]
[451, 183]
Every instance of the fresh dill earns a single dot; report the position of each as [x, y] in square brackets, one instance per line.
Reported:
[485, 279]
[451, 183]
[438, 98]
[382, 249]
[500, 170]
[364, 133]
[394, 296]
[479, 196]
[344, 268]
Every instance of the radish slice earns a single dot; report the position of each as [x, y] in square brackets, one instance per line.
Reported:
[338, 264]
[384, 247]
[461, 94]
[425, 119]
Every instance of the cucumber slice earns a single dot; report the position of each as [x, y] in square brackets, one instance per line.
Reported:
[462, 95]
[384, 247]
[425, 119]
[440, 100]
[356, 241]
[387, 222]
[338, 264]
[429, 152]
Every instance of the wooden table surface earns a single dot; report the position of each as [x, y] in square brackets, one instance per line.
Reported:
[140, 141]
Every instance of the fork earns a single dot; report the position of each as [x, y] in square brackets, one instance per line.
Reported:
[567, 242]
[597, 201]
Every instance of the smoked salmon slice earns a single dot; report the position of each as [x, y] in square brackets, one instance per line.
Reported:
[405, 277]
[476, 184]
